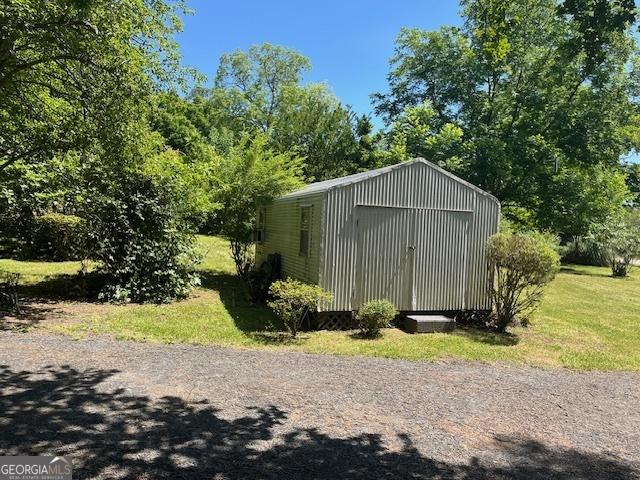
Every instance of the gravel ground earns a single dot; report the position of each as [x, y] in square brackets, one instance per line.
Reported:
[133, 410]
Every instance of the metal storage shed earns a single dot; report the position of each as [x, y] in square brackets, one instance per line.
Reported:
[411, 233]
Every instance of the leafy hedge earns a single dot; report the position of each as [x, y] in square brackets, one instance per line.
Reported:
[57, 236]
[143, 247]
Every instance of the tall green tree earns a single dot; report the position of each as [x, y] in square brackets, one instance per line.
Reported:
[255, 81]
[312, 122]
[76, 73]
[414, 134]
[537, 89]
[250, 176]
[77, 79]
[261, 90]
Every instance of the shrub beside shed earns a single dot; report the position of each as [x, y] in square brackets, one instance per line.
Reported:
[411, 233]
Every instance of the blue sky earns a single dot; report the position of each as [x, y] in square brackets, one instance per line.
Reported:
[349, 42]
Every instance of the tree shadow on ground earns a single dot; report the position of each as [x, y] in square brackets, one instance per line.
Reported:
[358, 335]
[29, 316]
[253, 319]
[575, 271]
[506, 339]
[41, 301]
[112, 433]
[64, 287]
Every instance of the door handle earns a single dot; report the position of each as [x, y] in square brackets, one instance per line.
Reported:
[412, 247]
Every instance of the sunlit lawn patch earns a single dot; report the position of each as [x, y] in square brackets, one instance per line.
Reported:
[587, 320]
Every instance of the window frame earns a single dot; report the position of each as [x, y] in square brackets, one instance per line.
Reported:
[259, 232]
[302, 239]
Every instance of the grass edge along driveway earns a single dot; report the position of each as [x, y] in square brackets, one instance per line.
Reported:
[587, 321]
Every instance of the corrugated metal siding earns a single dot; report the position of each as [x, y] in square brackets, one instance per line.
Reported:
[484, 223]
[282, 235]
[416, 185]
[441, 245]
[384, 261]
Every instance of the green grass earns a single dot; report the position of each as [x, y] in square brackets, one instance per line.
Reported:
[586, 321]
[217, 313]
[37, 272]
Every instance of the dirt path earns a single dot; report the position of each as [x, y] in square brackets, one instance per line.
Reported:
[131, 410]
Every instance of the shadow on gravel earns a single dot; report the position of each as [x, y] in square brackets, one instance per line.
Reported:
[63, 411]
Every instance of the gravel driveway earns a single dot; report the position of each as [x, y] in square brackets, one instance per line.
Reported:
[132, 410]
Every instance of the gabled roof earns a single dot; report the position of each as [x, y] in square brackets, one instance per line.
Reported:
[326, 185]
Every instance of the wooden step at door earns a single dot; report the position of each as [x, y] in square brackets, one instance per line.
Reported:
[428, 323]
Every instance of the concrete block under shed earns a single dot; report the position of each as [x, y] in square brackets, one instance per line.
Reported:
[428, 323]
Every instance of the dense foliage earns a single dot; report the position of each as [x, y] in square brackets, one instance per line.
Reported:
[260, 92]
[250, 176]
[294, 300]
[538, 103]
[632, 172]
[57, 236]
[521, 266]
[76, 80]
[76, 73]
[143, 249]
[619, 239]
[32, 190]
[374, 315]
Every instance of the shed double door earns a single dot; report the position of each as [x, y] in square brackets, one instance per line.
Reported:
[415, 258]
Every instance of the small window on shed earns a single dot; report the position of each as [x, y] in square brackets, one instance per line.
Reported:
[258, 235]
[305, 228]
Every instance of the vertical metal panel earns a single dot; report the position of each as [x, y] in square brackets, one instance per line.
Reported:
[420, 186]
[384, 260]
[441, 246]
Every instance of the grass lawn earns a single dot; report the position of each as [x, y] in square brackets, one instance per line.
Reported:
[587, 321]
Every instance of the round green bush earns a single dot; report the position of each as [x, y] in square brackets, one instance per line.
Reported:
[292, 300]
[374, 315]
[57, 236]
